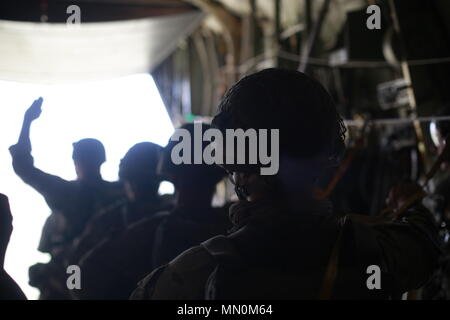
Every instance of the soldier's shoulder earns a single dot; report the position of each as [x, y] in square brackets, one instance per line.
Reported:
[182, 278]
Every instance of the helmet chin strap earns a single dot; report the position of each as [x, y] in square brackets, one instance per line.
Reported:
[244, 191]
[241, 192]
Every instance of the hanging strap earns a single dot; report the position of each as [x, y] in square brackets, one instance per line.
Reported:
[331, 271]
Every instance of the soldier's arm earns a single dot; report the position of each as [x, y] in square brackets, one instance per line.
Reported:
[409, 247]
[23, 162]
[32, 113]
[44, 183]
[184, 278]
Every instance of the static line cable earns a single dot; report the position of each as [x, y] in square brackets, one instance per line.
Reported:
[395, 121]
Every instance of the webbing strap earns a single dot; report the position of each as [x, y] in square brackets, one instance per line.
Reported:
[330, 275]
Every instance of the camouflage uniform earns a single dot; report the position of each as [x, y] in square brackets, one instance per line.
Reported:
[185, 228]
[284, 256]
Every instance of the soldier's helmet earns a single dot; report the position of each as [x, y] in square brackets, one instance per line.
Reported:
[201, 172]
[89, 152]
[140, 163]
[299, 106]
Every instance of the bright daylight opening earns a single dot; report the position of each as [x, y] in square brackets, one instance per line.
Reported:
[119, 112]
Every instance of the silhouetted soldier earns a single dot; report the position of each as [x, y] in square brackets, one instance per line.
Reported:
[9, 290]
[137, 172]
[288, 245]
[194, 219]
[102, 251]
[72, 202]
[117, 265]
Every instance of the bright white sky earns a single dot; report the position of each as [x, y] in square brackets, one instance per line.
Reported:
[119, 112]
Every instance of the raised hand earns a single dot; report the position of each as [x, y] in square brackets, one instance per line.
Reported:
[34, 111]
